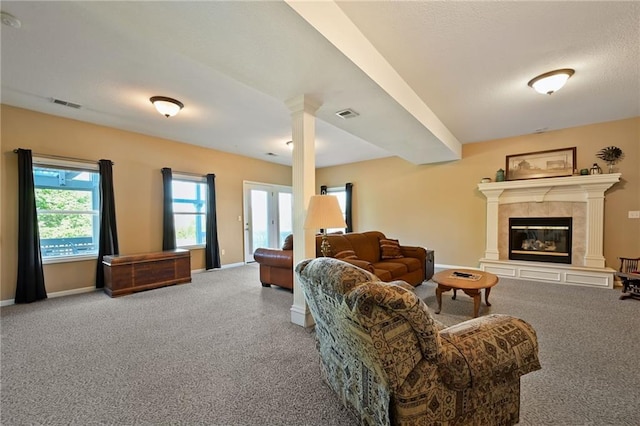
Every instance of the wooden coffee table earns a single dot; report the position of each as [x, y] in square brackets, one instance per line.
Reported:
[447, 280]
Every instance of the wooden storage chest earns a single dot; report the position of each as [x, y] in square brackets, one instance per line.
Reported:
[125, 274]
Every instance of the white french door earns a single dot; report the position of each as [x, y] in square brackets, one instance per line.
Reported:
[268, 217]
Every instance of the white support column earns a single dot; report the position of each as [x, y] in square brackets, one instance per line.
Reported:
[493, 203]
[595, 226]
[303, 126]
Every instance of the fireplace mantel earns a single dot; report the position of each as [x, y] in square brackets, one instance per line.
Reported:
[571, 188]
[589, 189]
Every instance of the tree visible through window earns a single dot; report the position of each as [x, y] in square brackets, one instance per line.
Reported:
[67, 203]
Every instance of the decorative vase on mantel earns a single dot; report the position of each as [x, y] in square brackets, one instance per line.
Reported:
[611, 155]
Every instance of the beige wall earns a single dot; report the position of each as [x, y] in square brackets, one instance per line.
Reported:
[438, 206]
[138, 188]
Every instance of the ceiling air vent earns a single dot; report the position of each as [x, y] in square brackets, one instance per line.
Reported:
[66, 103]
[347, 113]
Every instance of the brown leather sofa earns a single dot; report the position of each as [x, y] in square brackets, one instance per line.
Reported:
[276, 267]
[363, 249]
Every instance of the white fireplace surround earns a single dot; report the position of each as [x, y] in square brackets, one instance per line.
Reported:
[584, 195]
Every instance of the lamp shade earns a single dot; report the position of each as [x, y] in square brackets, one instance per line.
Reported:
[324, 212]
[551, 81]
[166, 106]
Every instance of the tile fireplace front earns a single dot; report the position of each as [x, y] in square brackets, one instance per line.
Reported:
[574, 210]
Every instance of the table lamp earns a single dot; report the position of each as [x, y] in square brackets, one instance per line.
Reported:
[324, 212]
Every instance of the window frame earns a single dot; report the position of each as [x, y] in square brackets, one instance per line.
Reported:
[179, 177]
[342, 190]
[84, 166]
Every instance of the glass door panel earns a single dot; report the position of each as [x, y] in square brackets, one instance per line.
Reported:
[285, 219]
[259, 220]
[268, 216]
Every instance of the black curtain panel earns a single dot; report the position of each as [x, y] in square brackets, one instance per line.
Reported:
[348, 209]
[168, 227]
[212, 250]
[108, 241]
[30, 284]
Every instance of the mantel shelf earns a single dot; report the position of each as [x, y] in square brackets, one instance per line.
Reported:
[570, 188]
[582, 180]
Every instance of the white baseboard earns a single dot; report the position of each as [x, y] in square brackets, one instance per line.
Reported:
[90, 289]
[301, 316]
[441, 267]
[233, 265]
[230, 265]
[57, 294]
[74, 291]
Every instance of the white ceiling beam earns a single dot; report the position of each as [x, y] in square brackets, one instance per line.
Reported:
[332, 23]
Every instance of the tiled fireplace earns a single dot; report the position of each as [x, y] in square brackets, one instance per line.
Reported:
[578, 200]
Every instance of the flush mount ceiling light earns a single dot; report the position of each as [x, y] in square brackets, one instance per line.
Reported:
[166, 106]
[551, 81]
[10, 20]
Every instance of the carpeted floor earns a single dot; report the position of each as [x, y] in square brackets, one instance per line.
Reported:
[222, 351]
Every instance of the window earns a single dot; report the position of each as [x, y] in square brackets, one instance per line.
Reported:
[189, 210]
[67, 203]
[341, 195]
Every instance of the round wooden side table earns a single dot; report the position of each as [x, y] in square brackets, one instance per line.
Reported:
[470, 281]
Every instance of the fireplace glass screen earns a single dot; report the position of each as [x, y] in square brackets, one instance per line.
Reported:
[540, 239]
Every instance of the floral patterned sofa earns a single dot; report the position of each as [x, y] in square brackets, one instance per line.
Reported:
[390, 362]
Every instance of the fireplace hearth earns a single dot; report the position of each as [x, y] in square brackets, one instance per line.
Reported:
[540, 239]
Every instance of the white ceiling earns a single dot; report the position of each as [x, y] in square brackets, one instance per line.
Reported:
[424, 76]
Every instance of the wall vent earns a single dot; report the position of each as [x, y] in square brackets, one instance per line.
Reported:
[66, 103]
[347, 113]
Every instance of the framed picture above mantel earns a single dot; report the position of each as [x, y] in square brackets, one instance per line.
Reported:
[541, 164]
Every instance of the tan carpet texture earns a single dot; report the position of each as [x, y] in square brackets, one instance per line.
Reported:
[222, 351]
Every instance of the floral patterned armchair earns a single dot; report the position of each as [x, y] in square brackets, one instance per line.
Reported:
[390, 362]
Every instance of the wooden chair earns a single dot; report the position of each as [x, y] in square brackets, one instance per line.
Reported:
[630, 275]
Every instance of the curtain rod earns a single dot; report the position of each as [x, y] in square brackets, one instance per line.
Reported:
[188, 174]
[59, 157]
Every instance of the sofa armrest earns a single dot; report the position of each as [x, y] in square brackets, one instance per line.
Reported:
[274, 257]
[404, 285]
[417, 252]
[493, 347]
[367, 266]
